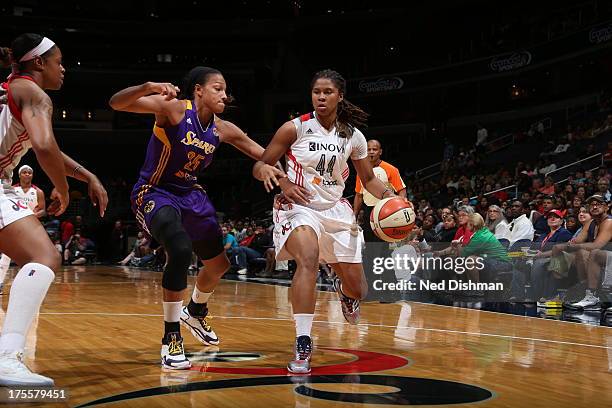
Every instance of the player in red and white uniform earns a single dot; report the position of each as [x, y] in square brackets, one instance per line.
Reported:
[26, 123]
[313, 223]
[34, 198]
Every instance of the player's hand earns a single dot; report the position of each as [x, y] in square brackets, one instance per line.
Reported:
[294, 193]
[270, 175]
[59, 203]
[165, 89]
[97, 195]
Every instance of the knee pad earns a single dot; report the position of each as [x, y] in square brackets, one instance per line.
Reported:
[167, 229]
[208, 248]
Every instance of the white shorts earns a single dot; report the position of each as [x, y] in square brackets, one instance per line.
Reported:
[338, 242]
[12, 206]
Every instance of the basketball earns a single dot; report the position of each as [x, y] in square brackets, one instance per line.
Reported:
[392, 219]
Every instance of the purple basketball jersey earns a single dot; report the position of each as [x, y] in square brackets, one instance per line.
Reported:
[175, 154]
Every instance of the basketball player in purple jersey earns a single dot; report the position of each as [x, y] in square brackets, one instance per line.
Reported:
[171, 206]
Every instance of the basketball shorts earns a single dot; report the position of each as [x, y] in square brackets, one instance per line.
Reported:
[338, 240]
[12, 206]
[194, 207]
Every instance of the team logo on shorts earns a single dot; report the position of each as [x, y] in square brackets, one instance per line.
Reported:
[286, 227]
[149, 206]
[215, 132]
[18, 205]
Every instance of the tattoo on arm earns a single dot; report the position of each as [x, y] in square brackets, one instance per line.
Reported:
[41, 107]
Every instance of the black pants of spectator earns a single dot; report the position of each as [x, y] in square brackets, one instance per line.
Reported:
[376, 248]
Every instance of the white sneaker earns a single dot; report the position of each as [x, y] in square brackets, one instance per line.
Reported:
[589, 302]
[14, 372]
[242, 271]
[199, 327]
[173, 353]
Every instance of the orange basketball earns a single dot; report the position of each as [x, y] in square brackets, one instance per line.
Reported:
[392, 219]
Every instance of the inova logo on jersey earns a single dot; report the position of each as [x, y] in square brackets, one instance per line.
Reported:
[314, 146]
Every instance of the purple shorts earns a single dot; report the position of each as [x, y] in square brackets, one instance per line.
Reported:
[194, 207]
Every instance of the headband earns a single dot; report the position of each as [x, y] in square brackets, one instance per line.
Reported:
[25, 167]
[44, 46]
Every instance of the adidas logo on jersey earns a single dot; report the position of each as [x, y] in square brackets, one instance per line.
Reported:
[309, 132]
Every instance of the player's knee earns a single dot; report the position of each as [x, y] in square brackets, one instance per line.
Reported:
[308, 260]
[51, 259]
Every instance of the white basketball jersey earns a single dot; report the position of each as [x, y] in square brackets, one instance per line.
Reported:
[30, 197]
[14, 139]
[317, 160]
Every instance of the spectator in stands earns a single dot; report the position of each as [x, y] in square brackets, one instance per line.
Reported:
[571, 224]
[231, 247]
[481, 137]
[463, 235]
[75, 248]
[581, 193]
[608, 154]
[544, 282]
[496, 222]
[247, 237]
[442, 213]
[67, 229]
[449, 229]
[591, 248]
[549, 186]
[140, 249]
[429, 233]
[483, 244]
[603, 189]
[540, 222]
[521, 229]
[118, 241]
[584, 218]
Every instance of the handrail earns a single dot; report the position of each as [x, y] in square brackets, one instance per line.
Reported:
[515, 186]
[416, 173]
[574, 163]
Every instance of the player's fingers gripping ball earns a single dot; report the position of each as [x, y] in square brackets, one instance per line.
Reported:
[392, 219]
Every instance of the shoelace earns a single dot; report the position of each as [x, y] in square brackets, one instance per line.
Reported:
[204, 322]
[175, 346]
[303, 350]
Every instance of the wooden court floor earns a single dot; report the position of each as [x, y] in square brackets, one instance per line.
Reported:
[99, 332]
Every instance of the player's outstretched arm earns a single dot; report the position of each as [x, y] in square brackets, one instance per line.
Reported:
[97, 192]
[39, 211]
[233, 135]
[150, 97]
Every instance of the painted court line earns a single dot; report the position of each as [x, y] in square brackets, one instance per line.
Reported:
[343, 323]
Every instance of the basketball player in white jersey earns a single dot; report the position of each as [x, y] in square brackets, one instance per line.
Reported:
[25, 123]
[312, 221]
[34, 198]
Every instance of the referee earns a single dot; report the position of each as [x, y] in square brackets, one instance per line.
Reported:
[390, 176]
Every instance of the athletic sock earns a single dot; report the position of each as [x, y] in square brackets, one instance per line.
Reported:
[303, 324]
[198, 303]
[172, 313]
[27, 293]
[5, 263]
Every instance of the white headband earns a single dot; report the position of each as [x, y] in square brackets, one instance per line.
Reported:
[25, 167]
[44, 46]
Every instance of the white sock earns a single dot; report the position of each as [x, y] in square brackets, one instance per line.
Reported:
[172, 311]
[590, 292]
[27, 293]
[200, 297]
[5, 263]
[303, 324]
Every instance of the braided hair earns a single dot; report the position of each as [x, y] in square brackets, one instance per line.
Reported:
[349, 116]
[198, 76]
